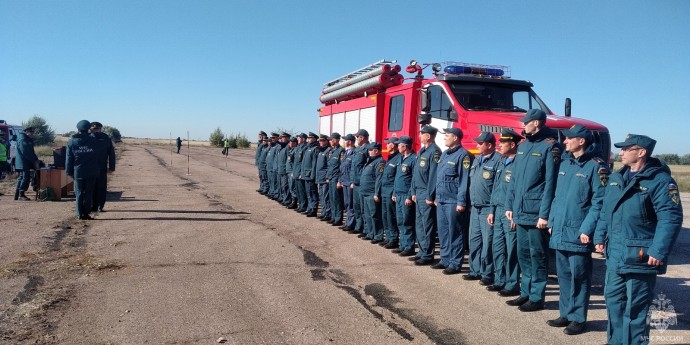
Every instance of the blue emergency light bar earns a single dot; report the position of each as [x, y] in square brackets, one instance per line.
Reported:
[476, 69]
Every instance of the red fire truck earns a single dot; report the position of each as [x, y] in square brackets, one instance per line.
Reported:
[471, 97]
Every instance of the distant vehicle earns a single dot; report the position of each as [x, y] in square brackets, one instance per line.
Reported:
[10, 132]
[472, 97]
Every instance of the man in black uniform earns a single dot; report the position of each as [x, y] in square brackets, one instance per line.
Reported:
[106, 162]
[82, 163]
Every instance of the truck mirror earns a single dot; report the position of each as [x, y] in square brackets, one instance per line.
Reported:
[567, 106]
[452, 114]
[424, 100]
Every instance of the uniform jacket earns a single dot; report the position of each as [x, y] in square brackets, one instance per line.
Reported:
[322, 164]
[424, 173]
[311, 154]
[359, 158]
[275, 156]
[281, 158]
[346, 166]
[289, 163]
[334, 163]
[297, 163]
[452, 176]
[640, 217]
[533, 182]
[270, 156]
[501, 180]
[82, 161]
[26, 157]
[403, 175]
[259, 147]
[106, 154]
[263, 156]
[370, 179]
[577, 202]
[483, 177]
[388, 178]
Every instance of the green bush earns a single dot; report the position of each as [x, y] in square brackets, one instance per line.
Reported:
[43, 134]
[216, 137]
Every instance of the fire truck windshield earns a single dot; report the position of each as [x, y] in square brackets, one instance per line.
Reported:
[494, 96]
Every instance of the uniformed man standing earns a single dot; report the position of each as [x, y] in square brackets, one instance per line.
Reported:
[289, 169]
[528, 204]
[423, 192]
[82, 164]
[321, 171]
[507, 269]
[452, 189]
[638, 226]
[297, 171]
[257, 156]
[390, 225]
[106, 163]
[370, 187]
[359, 158]
[482, 174]
[264, 184]
[311, 154]
[345, 182]
[335, 190]
[270, 168]
[404, 206]
[178, 144]
[25, 161]
[281, 164]
[573, 219]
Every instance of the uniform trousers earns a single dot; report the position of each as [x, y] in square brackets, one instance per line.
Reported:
[100, 190]
[336, 195]
[506, 267]
[481, 239]
[373, 224]
[425, 229]
[533, 246]
[325, 199]
[83, 191]
[302, 200]
[628, 297]
[312, 196]
[348, 205]
[405, 218]
[358, 209]
[574, 281]
[390, 225]
[449, 222]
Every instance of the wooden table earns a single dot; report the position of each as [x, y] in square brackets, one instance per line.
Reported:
[58, 180]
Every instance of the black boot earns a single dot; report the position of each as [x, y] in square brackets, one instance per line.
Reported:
[16, 194]
[23, 196]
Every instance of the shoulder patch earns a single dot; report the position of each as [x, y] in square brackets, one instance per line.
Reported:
[466, 162]
[381, 166]
[556, 154]
[673, 193]
[437, 156]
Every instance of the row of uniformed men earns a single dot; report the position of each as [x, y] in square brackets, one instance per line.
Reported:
[521, 200]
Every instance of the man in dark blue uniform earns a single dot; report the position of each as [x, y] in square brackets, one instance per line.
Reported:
[507, 269]
[257, 156]
[178, 144]
[452, 184]
[528, 204]
[345, 183]
[404, 207]
[270, 166]
[423, 192]
[390, 224]
[290, 168]
[297, 172]
[263, 169]
[308, 174]
[281, 171]
[638, 226]
[370, 188]
[482, 174]
[359, 158]
[321, 171]
[25, 161]
[106, 162]
[573, 219]
[82, 163]
[335, 190]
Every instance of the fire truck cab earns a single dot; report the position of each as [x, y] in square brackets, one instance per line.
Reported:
[475, 98]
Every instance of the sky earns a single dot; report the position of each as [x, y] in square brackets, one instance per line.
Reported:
[156, 69]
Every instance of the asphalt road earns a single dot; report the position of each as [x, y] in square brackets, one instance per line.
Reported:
[187, 254]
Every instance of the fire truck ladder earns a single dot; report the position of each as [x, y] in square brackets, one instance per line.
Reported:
[360, 72]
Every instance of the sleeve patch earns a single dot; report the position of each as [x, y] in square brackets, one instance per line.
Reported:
[466, 162]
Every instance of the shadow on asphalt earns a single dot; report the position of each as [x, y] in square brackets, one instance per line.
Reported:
[180, 211]
[177, 218]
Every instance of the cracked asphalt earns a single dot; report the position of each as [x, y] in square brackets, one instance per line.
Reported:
[190, 254]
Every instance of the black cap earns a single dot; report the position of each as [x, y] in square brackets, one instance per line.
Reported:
[485, 137]
[263, 133]
[284, 134]
[456, 131]
[639, 140]
[508, 134]
[274, 135]
[83, 125]
[323, 137]
[362, 132]
[335, 135]
[301, 135]
[534, 114]
[429, 129]
[393, 140]
[374, 146]
[407, 140]
[96, 124]
[312, 135]
[293, 140]
[349, 137]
